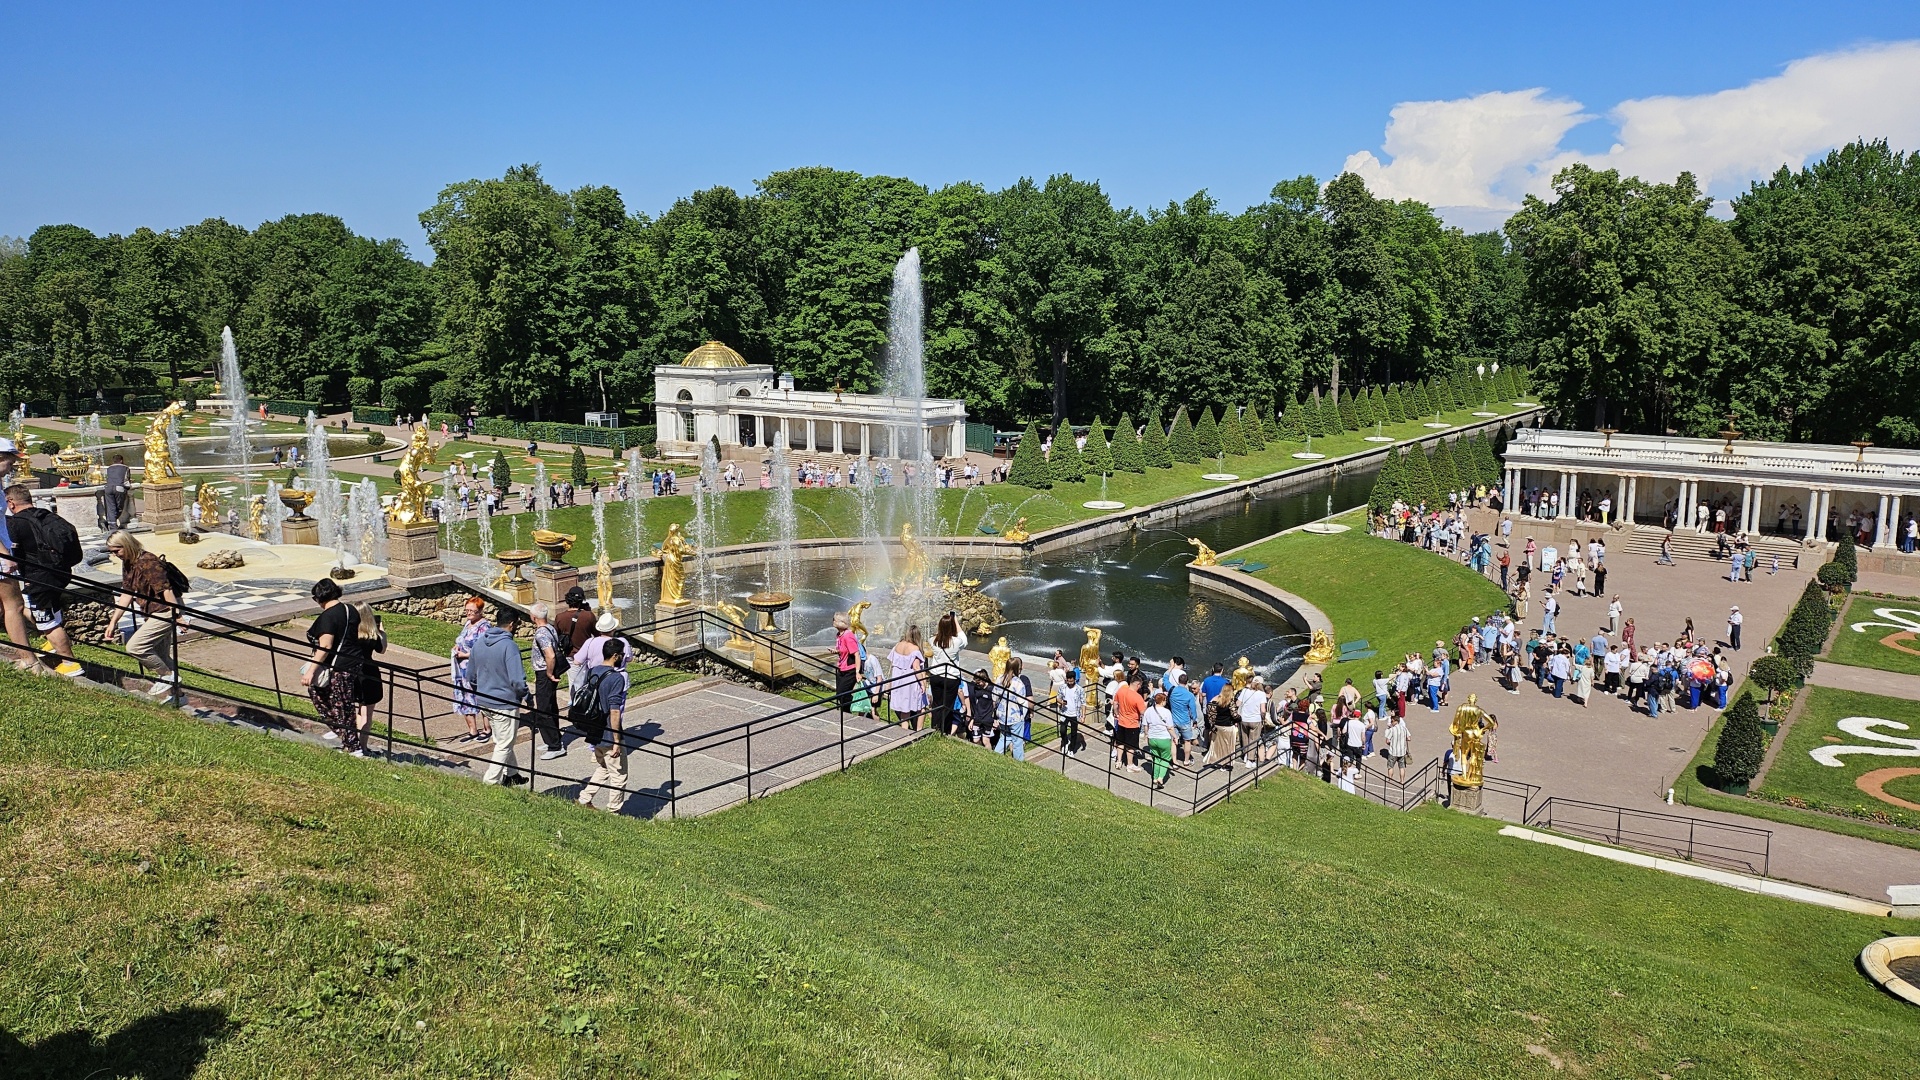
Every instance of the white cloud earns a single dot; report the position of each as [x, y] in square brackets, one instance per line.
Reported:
[1472, 158]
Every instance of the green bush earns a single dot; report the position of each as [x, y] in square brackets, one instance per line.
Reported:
[502, 473]
[402, 393]
[447, 396]
[1848, 556]
[573, 434]
[49, 447]
[1206, 435]
[1158, 452]
[1254, 429]
[372, 414]
[1418, 487]
[1396, 406]
[1099, 454]
[1386, 486]
[1804, 633]
[1292, 423]
[1833, 576]
[293, 407]
[1349, 412]
[1363, 410]
[317, 388]
[117, 420]
[1446, 476]
[1270, 427]
[360, 391]
[578, 467]
[1064, 464]
[376, 439]
[1181, 440]
[1029, 467]
[1233, 435]
[1128, 454]
[1773, 673]
[1742, 746]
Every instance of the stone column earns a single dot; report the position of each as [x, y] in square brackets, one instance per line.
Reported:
[1880, 525]
[1507, 489]
[1894, 536]
[413, 554]
[865, 431]
[1826, 507]
[1683, 514]
[1620, 497]
[1813, 513]
[1746, 508]
[1633, 499]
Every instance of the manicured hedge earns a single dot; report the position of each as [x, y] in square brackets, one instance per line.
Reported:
[619, 438]
[293, 407]
[373, 414]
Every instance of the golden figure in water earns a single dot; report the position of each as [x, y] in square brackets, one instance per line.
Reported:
[1206, 556]
[1017, 532]
[1242, 675]
[1320, 650]
[1469, 731]
[410, 506]
[603, 581]
[209, 501]
[914, 572]
[736, 617]
[257, 517]
[856, 622]
[997, 658]
[674, 552]
[157, 461]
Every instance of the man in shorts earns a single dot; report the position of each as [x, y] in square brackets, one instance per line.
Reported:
[13, 605]
[1185, 707]
[44, 599]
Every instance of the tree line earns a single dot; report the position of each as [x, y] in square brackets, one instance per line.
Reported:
[1634, 305]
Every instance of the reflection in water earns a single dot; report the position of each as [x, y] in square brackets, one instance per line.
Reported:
[1133, 586]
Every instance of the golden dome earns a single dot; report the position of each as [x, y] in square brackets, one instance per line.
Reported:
[713, 355]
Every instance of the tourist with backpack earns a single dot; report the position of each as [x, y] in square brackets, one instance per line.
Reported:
[597, 712]
[46, 548]
[151, 588]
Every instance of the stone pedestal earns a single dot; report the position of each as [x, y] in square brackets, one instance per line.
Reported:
[1466, 799]
[413, 554]
[1905, 901]
[300, 531]
[82, 509]
[680, 638]
[771, 661]
[164, 504]
[551, 582]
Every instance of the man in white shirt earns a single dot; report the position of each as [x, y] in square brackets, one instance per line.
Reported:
[1252, 707]
[1354, 746]
[1734, 620]
[1397, 738]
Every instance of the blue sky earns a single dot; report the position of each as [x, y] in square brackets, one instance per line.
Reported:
[114, 116]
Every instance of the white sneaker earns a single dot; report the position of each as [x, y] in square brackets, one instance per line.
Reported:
[551, 754]
[1248, 762]
[357, 753]
[329, 736]
[161, 687]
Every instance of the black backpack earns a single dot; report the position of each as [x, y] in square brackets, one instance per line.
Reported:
[176, 578]
[584, 713]
[52, 551]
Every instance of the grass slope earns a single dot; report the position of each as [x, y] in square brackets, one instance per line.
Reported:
[742, 516]
[1396, 596]
[1863, 648]
[172, 888]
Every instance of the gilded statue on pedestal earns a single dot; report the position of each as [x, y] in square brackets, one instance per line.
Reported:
[209, 501]
[1017, 532]
[1320, 650]
[674, 552]
[410, 506]
[914, 572]
[855, 622]
[157, 462]
[997, 658]
[1469, 731]
[1242, 675]
[1206, 556]
[1090, 654]
[257, 517]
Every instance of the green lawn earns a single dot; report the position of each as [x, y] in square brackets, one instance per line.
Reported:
[1396, 596]
[742, 515]
[1864, 648]
[169, 883]
[1795, 774]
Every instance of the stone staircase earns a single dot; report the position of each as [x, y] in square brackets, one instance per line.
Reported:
[1645, 540]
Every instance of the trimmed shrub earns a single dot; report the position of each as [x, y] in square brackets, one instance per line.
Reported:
[1328, 410]
[118, 419]
[317, 388]
[1128, 454]
[1233, 438]
[1446, 474]
[1419, 486]
[1292, 425]
[1254, 428]
[1848, 556]
[1386, 485]
[376, 439]
[1181, 440]
[402, 393]
[1270, 428]
[49, 447]
[370, 414]
[1206, 435]
[1363, 410]
[1158, 452]
[1833, 576]
[578, 467]
[1805, 631]
[1773, 674]
[1064, 463]
[1098, 456]
[1349, 412]
[446, 396]
[1396, 404]
[1742, 746]
[502, 474]
[1029, 468]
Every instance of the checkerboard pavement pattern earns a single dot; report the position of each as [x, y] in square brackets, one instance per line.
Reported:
[234, 598]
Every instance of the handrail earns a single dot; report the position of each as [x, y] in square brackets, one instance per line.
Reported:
[1693, 849]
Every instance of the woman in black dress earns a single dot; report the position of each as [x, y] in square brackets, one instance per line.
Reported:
[367, 688]
[332, 675]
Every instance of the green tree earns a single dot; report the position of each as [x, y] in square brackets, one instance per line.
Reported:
[578, 468]
[1293, 421]
[1328, 411]
[1349, 412]
[1418, 483]
[1742, 746]
[1206, 434]
[1029, 466]
[1099, 454]
[1054, 265]
[1446, 477]
[1128, 454]
[1233, 436]
[502, 473]
[1064, 463]
[1363, 410]
[1396, 406]
[156, 315]
[1154, 445]
[1387, 484]
[1180, 439]
[1255, 428]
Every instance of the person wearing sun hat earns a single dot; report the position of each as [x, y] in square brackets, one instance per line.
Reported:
[605, 629]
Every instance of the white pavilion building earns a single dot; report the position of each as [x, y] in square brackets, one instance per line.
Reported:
[714, 392]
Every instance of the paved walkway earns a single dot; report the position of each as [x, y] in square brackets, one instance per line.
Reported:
[1890, 584]
[1866, 680]
[1607, 753]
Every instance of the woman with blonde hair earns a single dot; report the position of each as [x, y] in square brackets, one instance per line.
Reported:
[907, 681]
[373, 639]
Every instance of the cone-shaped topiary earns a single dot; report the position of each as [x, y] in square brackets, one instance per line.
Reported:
[1446, 478]
[1270, 427]
[1742, 746]
[1804, 633]
[1029, 467]
[1386, 485]
[1158, 452]
[1847, 555]
[577, 469]
[1233, 436]
[1206, 435]
[1292, 429]
[502, 473]
[1349, 412]
[1396, 406]
[1363, 410]
[1128, 456]
[1099, 454]
[1330, 422]
[1064, 463]
[1180, 438]
[1490, 463]
[1254, 428]
[1419, 487]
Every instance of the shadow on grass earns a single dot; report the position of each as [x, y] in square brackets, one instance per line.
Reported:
[167, 1045]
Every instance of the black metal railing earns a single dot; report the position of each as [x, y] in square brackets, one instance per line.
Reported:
[1737, 847]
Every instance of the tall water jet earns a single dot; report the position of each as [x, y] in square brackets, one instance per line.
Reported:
[320, 479]
[484, 522]
[374, 541]
[786, 522]
[635, 517]
[541, 502]
[233, 386]
[706, 504]
[274, 513]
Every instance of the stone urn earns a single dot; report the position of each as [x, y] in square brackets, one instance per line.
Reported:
[73, 465]
[769, 604]
[554, 545]
[297, 501]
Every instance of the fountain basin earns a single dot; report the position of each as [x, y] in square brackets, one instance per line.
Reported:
[1324, 527]
[209, 454]
[1893, 963]
[1526, 404]
[1308, 455]
[1104, 504]
[1379, 438]
[1486, 414]
[1436, 424]
[1220, 477]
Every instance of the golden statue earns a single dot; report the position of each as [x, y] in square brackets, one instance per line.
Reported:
[1206, 557]
[504, 580]
[603, 582]
[1320, 649]
[915, 570]
[257, 517]
[997, 658]
[410, 505]
[1469, 731]
[1017, 532]
[1090, 656]
[674, 552]
[736, 617]
[209, 501]
[948, 585]
[855, 622]
[1242, 675]
[157, 462]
